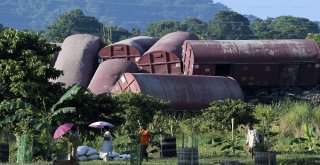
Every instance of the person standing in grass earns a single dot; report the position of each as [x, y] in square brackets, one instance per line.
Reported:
[252, 138]
[107, 144]
[144, 142]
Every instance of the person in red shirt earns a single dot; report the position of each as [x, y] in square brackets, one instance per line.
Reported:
[144, 141]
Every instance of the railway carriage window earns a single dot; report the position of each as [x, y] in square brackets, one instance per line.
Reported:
[207, 70]
[222, 70]
[317, 65]
[196, 66]
[267, 68]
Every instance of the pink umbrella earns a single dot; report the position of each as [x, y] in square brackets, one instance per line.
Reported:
[62, 129]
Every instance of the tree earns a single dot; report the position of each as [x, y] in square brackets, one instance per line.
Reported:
[114, 34]
[25, 68]
[25, 90]
[161, 28]
[316, 37]
[283, 27]
[220, 113]
[70, 23]
[262, 29]
[293, 27]
[229, 25]
[195, 26]
[134, 109]
[1, 27]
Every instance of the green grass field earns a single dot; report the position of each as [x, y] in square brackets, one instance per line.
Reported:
[282, 159]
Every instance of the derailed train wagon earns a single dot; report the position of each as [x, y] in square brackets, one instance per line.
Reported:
[164, 56]
[108, 73]
[130, 49]
[78, 59]
[184, 92]
[255, 63]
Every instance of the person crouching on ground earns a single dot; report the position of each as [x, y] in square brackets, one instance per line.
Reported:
[144, 142]
[74, 141]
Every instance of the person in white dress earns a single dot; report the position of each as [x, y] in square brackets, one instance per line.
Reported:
[252, 138]
[106, 149]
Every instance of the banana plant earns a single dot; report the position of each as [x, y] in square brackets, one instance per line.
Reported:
[226, 144]
[32, 117]
[309, 140]
[26, 119]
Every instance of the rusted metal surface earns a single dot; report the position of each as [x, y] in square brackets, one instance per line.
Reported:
[78, 59]
[184, 92]
[253, 51]
[255, 62]
[108, 73]
[165, 55]
[130, 49]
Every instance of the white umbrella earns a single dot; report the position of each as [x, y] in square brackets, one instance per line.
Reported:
[100, 124]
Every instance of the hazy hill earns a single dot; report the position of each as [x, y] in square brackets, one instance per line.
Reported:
[38, 14]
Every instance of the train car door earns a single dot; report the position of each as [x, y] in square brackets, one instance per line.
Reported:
[288, 74]
[222, 70]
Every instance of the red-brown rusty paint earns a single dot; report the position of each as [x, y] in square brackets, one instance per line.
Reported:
[108, 73]
[165, 55]
[184, 92]
[253, 51]
[130, 49]
[255, 62]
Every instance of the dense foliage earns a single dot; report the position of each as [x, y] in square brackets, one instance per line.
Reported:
[161, 28]
[37, 15]
[134, 109]
[73, 22]
[316, 37]
[229, 25]
[26, 92]
[25, 68]
[220, 113]
[283, 27]
[1, 27]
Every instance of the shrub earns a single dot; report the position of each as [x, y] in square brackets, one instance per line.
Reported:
[220, 113]
[134, 109]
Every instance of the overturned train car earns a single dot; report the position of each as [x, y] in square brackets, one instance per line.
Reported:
[108, 73]
[184, 92]
[130, 49]
[164, 57]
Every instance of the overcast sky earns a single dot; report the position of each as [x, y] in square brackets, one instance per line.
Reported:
[273, 8]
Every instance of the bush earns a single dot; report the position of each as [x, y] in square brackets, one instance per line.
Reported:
[220, 113]
[134, 109]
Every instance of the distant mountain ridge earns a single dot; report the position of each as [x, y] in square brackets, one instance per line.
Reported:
[39, 14]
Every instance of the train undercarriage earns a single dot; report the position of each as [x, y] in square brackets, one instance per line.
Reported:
[268, 95]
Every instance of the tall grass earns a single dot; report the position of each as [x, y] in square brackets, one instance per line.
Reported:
[293, 114]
